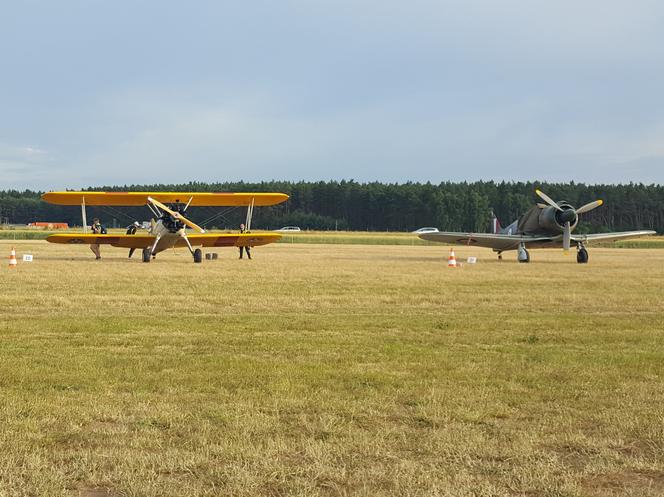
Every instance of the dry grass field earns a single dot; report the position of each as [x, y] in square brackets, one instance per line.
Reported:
[331, 370]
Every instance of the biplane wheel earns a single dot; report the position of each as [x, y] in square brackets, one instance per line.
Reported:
[146, 255]
[198, 255]
[582, 256]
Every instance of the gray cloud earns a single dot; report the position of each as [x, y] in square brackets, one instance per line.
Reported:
[392, 91]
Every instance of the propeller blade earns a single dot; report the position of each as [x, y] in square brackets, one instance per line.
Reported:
[547, 199]
[590, 206]
[567, 236]
[176, 215]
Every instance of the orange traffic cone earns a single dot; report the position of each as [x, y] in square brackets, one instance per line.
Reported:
[12, 259]
[451, 260]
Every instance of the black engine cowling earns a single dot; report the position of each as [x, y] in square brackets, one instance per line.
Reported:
[552, 219]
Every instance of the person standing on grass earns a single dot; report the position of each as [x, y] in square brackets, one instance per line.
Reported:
[97, 229]
[131, 230]
[243, 230]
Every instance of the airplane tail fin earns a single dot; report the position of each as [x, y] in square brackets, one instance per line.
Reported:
[495, 224]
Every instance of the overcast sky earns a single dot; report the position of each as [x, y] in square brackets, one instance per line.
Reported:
[118, 92]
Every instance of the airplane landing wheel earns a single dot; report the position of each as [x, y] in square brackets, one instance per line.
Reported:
[582, 256]
[198, 256]
[146, 255]
[500, 256]
[523, 255]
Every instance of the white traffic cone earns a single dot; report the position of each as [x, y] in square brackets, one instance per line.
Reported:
[451, 260]
[12, 259]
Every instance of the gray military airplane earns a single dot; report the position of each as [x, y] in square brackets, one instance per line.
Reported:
[547, 225]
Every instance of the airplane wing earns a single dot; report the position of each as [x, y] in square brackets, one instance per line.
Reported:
[145, 241]
[231, 239]
[496, 241]
[500, 242]
[141, 198]
[120, 240]
[607, 237]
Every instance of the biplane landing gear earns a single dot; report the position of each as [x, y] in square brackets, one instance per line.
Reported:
[581, 254]
[198, 256]
[523, 255]
[147, 255]
[500, 256]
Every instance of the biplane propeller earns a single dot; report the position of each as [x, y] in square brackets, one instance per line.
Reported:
[175, 222]
[169, 228]
[545, 225]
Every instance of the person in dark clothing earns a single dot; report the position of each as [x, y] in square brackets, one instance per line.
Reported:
[242, 230]
[97, 229]
[131, 230]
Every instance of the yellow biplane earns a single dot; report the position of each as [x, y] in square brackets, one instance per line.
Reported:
[168, 229]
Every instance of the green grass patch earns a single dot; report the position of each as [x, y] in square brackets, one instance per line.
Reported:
[645, 243]
[24, 234]
[354, 238]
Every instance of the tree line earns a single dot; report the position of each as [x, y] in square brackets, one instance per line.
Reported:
[349, 205]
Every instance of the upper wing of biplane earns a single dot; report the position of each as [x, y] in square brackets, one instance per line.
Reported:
[141, 198]
[146, 241]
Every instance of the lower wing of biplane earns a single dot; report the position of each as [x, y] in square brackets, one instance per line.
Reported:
[146, 241]
[152, 245]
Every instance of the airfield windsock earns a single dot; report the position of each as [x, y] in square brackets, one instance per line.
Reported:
[451, 260]
[12, 259]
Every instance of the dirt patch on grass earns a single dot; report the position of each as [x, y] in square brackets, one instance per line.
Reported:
[97, 492]
[625, 483]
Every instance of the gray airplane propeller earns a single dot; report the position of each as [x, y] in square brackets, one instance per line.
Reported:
[568, 215]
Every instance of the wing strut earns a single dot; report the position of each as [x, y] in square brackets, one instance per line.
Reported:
[154, 210]
[250, 214]
[154, 246]
[83, 215]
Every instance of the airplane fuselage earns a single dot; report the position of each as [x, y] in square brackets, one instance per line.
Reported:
[545, 221]
[166, 236]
